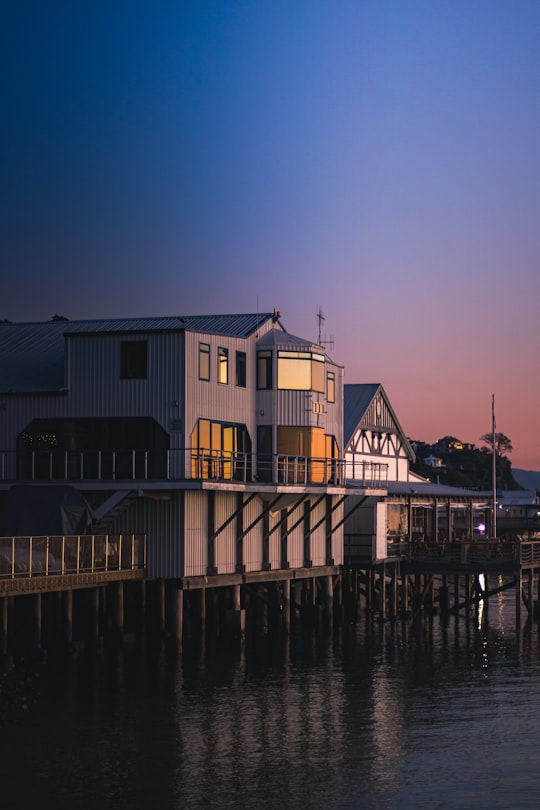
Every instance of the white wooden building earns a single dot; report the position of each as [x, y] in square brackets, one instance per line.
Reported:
[411, 509]
[220, 437]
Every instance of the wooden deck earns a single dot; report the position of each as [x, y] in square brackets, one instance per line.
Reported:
[502, 556]
[44, 564]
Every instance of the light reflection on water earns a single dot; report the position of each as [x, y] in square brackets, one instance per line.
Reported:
[373, 716]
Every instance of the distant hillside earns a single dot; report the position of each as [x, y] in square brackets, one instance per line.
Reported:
[530, 479]
[450, 461]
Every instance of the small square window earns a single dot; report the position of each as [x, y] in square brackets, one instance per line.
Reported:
[133, 360]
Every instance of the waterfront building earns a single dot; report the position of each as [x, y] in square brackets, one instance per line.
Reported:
[410, 509]
[220, 437]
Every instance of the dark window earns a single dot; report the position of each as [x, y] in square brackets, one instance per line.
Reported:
[204, 361]
[241, 369]
[264, 369]
[223, 366]
[264, 452]
[133, 360]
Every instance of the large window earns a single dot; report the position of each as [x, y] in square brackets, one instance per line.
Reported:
[133, 360]
[304, 455]
[96, 448]
[220, 450]
[241, 369]
[223, 365]
[264, 369]
[204, 361]
[300, 371]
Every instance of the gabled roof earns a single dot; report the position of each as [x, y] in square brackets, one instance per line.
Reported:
[357, 401]
[32, 354]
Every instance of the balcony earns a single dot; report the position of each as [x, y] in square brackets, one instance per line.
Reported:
[72, 466]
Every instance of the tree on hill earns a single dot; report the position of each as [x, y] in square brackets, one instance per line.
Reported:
[503, 445]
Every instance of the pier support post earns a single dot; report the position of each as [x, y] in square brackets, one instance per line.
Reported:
[405, 595]
[519, 586]
[329, 599]
[286, 596]
[4, 625]
[93, 633]
[161, 602]
[37, 620]
[394, 592]
[382, 588]
[67, 618]
[444, 596]
[119, 608]
[456, 592]
[178, 618]
[236, 617]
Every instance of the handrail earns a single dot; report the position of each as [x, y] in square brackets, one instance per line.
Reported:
[60, 555]
[179, 464]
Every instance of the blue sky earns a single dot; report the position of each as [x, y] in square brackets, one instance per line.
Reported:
[377, 158]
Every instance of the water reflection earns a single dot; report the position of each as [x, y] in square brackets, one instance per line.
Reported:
[375, 716]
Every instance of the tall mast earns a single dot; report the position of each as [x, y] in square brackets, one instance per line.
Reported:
[494, 522]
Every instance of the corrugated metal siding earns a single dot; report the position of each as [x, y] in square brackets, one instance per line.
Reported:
[318, 537]
[162, 522]
[211, 400]
[338, 535]
[225, 544]
[295, 542]
[253, 556]
[18, 412]
[275, 541]
[196, 534]
[97, 390]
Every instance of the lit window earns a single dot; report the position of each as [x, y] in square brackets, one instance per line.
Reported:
[331, 386]
[204, 361]
[300, 371]
[133, 360]
[223, 366]
[241, 369]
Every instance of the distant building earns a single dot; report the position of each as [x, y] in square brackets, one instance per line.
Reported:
[434, 461]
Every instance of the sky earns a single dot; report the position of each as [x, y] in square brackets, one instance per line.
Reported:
[378, 159]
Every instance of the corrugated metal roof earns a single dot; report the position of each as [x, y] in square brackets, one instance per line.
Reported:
[32, 354]
[276, 337]
[429, 488]
[356, 400]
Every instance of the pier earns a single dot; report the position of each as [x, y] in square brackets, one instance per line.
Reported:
[60, 591]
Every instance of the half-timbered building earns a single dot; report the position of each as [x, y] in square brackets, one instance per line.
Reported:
[412, 509]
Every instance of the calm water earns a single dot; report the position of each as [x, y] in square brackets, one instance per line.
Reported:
[366, 717]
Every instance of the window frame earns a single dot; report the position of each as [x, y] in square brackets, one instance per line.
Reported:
[204, 352]
[331, 386]
[264, 369]
[241, 369]
[133, 359]
[223, 365]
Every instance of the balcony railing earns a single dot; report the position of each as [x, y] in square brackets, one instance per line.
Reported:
[181, 464]
[70, 554]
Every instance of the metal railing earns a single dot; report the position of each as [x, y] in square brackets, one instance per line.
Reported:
[70, 554]
[183, 463]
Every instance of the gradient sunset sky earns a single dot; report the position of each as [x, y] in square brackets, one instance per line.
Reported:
[378, 159]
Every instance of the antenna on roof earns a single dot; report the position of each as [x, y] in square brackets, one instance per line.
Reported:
[321, 317]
